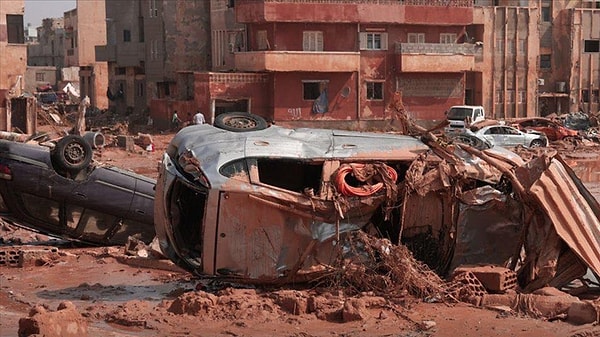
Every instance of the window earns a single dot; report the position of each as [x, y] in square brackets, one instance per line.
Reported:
[140, 89]
[141, 29]
[126, 35]
[39, 77]
[262, 41]
[312, 89]
[498, 97]
[373, 41]
[522, 96]
[416, 37]
[510, 47]
[164, 89]
[499, 45]
[546, 13]
[153, 9]
[42, 209]
[447, 38]
[595, 94]
[312, 41]
[510, 96]
[154, 50]
[375, 91]
[120, 70]
[522, 46]
[14, 29]
[292, 175]
[585, 96]
[591, 46]
[545, 61]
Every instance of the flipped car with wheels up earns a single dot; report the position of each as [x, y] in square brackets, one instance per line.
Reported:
[59, 191]
[274, 205]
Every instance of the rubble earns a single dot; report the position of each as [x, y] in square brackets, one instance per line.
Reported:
[66, 321]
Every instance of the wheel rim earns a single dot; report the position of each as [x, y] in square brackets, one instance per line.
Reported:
[239, 122]
[74, 153]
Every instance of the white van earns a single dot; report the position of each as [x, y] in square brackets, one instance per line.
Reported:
[461, 116]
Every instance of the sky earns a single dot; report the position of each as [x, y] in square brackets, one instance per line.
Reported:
[37, 10]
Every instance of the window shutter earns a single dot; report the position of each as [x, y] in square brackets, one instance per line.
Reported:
[362, 40]
[305, 41]
[319, 46]
[384, 41]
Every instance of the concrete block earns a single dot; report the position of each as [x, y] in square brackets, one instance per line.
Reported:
[495, 279]
[126, 142]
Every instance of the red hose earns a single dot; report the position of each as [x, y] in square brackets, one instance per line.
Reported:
[363, 190]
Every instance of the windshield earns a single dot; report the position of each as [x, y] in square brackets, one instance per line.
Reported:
[459, 113]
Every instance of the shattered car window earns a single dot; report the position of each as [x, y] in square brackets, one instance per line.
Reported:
[291, 175]
[236, 169]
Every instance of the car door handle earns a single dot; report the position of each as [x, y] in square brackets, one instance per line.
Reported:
[80, 195]
[139, 211]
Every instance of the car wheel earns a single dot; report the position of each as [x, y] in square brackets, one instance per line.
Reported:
[240, 122]
[72, 153]
[536, 143]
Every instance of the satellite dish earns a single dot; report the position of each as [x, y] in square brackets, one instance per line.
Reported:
[345, 92]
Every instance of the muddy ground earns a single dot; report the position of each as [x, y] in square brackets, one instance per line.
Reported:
[106, 291]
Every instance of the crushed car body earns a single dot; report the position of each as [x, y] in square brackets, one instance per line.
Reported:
[59, 191]
[275, 205]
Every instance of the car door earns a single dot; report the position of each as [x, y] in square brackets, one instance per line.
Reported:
[513, 136]
[495, 135]
[105, 190]
[264, 224]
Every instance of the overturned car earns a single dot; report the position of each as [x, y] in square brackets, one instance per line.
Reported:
[276, 204]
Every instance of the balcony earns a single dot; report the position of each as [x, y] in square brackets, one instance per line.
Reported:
[436, 57]
[297, 61]
[124, 54]
[442, 12]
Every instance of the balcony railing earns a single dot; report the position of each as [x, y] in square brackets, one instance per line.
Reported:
[297, 61]
[436, 57]
[435, 48]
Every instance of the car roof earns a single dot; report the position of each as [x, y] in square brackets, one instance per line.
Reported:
[302, 143]
[215, 147]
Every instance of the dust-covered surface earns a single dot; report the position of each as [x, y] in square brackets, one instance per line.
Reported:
[108, 291]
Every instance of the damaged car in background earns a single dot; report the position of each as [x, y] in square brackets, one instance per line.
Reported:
[59, 191]
[277, 204]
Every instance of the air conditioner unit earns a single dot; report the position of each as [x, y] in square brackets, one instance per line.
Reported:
[540, 81]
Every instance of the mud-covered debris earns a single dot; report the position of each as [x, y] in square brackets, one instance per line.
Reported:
[66, 321]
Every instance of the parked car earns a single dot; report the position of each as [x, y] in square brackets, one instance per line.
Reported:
[552, 130]
[49, 97]
[508, 136]
[60, 192]
[461, 116]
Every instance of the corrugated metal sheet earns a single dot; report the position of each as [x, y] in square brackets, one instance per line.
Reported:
[573, 211]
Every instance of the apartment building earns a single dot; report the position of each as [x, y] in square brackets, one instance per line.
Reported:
[48, 49]
[153, 48]
[339, 62]
[85, 28]
[16, 112]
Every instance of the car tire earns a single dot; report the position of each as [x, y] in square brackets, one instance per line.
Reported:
[240, 122]
[536, 143]
[71, 153]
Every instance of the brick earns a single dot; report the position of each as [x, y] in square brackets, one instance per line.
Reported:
[495, 279]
